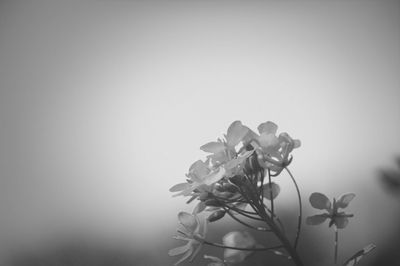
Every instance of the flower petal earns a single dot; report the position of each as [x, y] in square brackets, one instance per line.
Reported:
[188, 220]
[214, 177]
[236, 133]
[269, 189]
[199, 207]
[179, 250]
[268, 141]
[296, 143]
[344, 200]
[320, 201]
[316, 219]
[186, 255]
[179, 187]
[267, 127]
[215, 261]
[341, 222]
[199, 168]
[250, 135]
[213, 147]
[237, 239]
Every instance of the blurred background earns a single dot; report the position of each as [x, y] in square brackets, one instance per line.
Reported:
[104, 105]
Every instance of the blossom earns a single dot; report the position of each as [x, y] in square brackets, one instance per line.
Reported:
[273, 151]
[223, 152]
[200, 177]
[239, 240]
[337, 218]
[190, 233]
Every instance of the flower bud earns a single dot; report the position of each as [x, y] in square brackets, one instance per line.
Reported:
[215, 216]
[213, 203]
[204, 196]
[252, 165]
[238, 180]
[229, 188]
[271, 189]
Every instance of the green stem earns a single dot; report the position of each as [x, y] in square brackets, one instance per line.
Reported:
[244, 213]
[238, 248]
[285, 242]
[300, 208]
[336, 243]
[270, 194]
[246, 224]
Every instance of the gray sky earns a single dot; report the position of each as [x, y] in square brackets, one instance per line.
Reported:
[104, 104]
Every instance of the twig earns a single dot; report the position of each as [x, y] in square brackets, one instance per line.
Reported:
[300, 208]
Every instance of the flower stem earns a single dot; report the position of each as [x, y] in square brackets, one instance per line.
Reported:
[270, 193]
[336, 243]
[238, 248]
[279, 234]
[300, 208]
[246, 224]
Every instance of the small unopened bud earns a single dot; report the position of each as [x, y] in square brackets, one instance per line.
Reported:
[219, 187]
[215, 216]
[252, 165]
[230, 188]
[238, 180]
[204, 196]
[213, 203]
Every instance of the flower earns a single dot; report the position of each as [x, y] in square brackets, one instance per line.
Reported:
[321, 202]
[239, 240]
[190, 233]
[223, 152]
[200, 177]
[273, 151]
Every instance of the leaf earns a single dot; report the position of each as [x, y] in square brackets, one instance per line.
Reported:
[316, 219]
[344, 200]
[355, 259]
[271, 188]
[320, 201]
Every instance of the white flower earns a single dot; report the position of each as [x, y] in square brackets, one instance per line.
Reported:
[321, 202]
[190, 233]
[273, 151]
[224, 152]
[239, 240]
[200, 177]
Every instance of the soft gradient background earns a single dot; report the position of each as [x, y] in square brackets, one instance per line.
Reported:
[104, 105]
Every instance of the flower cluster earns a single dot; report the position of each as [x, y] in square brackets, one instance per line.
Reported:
[232, 177]
[241, 153]
[236, 180]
